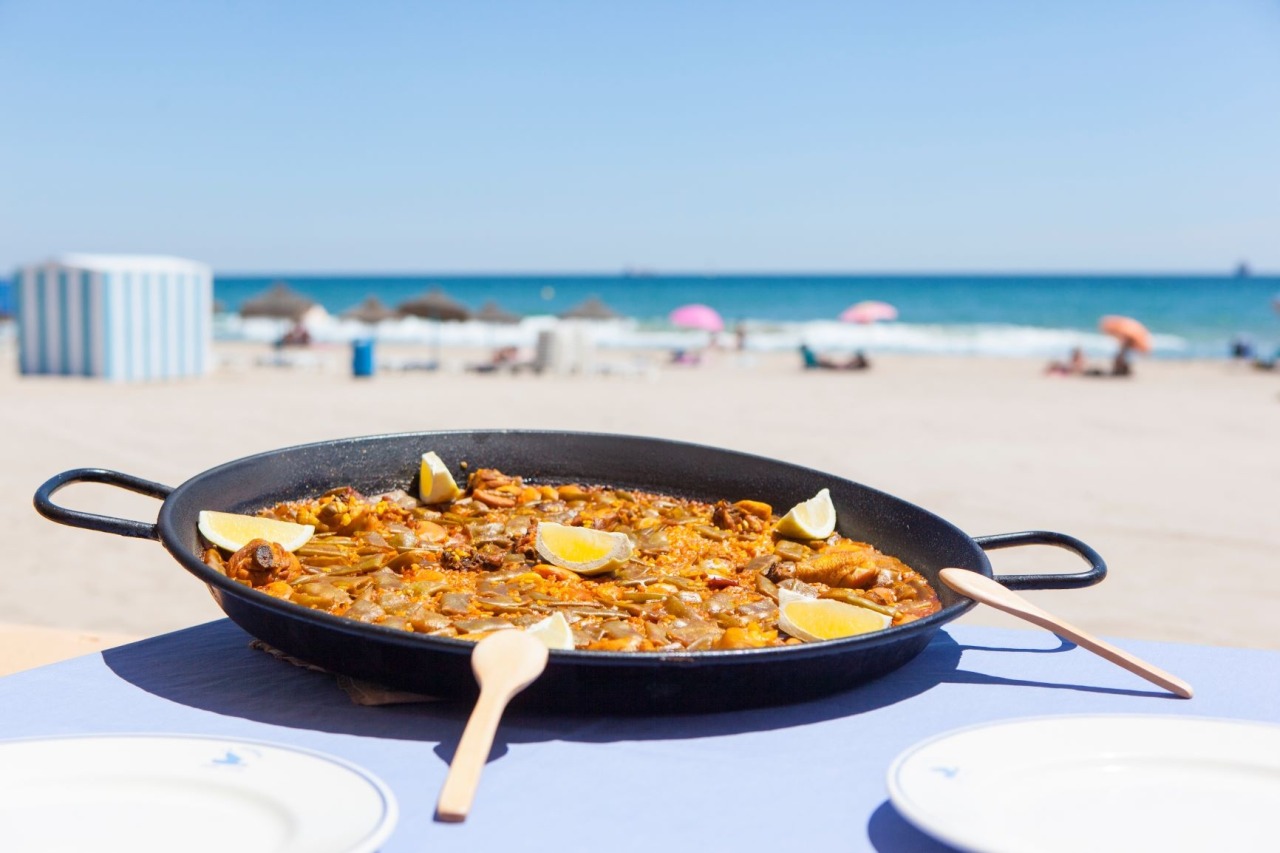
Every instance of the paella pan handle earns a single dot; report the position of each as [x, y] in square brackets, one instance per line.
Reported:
[1097, 568]
[89, 521]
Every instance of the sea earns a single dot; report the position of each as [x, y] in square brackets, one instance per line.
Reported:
[987, 315]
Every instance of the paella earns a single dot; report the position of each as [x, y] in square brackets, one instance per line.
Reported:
[583, 565]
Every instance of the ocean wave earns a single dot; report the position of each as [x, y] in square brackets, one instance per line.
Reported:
[924, 339]
[972, 339]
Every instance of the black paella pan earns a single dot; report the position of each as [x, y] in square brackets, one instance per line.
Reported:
[574, 680]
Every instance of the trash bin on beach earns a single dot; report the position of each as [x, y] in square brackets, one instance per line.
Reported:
[362, 358]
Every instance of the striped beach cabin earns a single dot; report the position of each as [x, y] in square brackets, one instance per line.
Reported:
[120, 317]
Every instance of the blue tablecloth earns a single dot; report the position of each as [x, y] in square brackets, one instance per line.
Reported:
[772, 779]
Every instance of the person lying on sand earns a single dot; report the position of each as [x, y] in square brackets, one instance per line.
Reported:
[1074, 365]
[813, 360]
[1119, 366]
[298, 336]
[503, 358]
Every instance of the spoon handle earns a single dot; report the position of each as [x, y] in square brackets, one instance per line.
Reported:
[981, 588]
[469, 759]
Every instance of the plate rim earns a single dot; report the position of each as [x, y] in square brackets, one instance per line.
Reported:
[909, 809]
[369, 843]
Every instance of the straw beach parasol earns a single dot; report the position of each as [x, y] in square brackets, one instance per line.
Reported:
[371, 311]
[438, 307]
[591, 308]
[279, 302]
[435, 304]
[491, 312]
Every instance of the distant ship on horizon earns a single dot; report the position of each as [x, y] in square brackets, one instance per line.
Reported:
[1242, 270]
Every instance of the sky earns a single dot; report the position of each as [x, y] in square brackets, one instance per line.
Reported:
[706, 136]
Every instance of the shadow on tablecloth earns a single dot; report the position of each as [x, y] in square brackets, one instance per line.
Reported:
[888, 831]
[211, 667]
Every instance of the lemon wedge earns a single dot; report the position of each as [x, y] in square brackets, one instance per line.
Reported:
[554, 632]
[581, 549]
[232, 532]
[435, 483]
[815, 619]
[811, 519]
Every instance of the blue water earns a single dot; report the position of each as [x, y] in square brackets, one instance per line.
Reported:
[1191, 316]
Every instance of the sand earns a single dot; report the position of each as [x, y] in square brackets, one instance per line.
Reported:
[1171, 475]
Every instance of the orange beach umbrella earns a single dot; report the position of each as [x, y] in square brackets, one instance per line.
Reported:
[1127, 330]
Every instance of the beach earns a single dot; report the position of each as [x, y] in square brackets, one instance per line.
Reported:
[1170, 474]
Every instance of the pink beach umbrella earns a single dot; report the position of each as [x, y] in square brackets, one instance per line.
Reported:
[868, 312]
[697, 316]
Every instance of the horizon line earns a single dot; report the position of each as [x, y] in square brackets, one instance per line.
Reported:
[640, 274]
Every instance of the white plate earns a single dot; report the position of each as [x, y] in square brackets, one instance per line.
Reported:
[1095, 783]
[152, 792]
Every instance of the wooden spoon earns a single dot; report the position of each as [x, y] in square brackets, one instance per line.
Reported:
[982, 588]
[505, 663]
